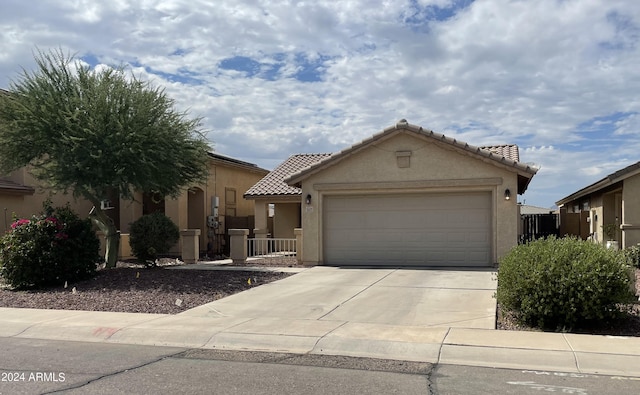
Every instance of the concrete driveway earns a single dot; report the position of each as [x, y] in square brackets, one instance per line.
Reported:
[399, 297]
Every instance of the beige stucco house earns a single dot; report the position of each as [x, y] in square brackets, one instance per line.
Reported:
[612, 202]
[21, 197]
[405, 196]
[205, 207]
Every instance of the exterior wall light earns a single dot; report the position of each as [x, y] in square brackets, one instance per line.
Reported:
[507, 194]
[308, 199]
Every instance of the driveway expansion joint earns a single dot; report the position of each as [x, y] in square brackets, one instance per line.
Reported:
[358, 293]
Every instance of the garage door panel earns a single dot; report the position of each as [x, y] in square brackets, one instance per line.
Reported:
[416, 229]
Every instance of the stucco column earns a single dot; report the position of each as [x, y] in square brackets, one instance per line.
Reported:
[261, 215]
[176, 210]
[299, 249]
[130, 210]
[238, 247]
[261, 230]
[190, 245]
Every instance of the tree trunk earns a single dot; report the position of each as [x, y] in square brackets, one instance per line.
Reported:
[112, 236]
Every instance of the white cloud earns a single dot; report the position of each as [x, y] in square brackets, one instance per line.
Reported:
[499, 71]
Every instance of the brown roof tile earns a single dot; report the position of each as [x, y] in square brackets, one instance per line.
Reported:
[273, 183]
[509, 151]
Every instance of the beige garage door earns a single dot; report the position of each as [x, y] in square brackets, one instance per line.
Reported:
[409, 229]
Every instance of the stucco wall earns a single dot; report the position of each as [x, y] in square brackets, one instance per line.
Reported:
[631, 211]
[9, 205]
[286, 218]
[429, 161]
[596, 217]
[32, 204]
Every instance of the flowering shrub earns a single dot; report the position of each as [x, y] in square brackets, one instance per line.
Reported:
[48, 249]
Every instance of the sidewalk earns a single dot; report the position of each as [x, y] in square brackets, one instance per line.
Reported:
[568, 353]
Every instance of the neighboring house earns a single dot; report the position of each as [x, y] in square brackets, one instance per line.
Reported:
[611, 203]
[405, 196]
[207, 207]
[21, 198]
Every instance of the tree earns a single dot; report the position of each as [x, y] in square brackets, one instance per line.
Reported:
[93, 131]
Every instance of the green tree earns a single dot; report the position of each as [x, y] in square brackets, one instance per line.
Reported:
[93, 131]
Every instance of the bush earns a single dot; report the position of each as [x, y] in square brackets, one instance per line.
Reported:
[633, 254]
[51, 248]
[563, 283]
[152, 235]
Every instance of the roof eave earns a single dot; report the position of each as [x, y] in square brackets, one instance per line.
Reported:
[232, 162]
[527, 171]
[274, 196]
[607, 181]
[22, 190]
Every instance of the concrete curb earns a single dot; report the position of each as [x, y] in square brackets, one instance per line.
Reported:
[569, 353]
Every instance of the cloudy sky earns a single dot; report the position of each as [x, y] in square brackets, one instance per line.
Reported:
[560, 78]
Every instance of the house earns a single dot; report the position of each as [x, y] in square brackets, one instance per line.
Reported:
[21, 197]
[405, 196]
[207, 207]
[610, 204]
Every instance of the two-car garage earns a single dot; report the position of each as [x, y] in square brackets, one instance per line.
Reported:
[411, 197]
[411, 229]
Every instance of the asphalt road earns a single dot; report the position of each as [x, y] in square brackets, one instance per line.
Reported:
[30, 366]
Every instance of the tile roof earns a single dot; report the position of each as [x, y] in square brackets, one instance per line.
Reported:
[10, 187]
[509, 151]
[273, 183]
[494, 154]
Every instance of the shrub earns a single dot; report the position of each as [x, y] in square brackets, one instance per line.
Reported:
[152, 235]
[51, 248]
[563, 283]
[633, 254]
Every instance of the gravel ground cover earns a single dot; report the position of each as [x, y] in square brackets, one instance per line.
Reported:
[133, 288]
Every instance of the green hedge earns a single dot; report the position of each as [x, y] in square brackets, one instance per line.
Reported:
[152, 235]
[563, 283]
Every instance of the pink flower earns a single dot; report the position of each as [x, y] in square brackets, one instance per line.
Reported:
[20, 222]
[61, 236]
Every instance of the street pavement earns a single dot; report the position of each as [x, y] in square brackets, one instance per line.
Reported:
[33, 366]
[442, 317]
